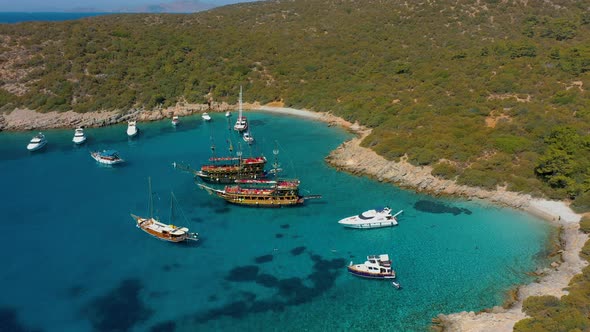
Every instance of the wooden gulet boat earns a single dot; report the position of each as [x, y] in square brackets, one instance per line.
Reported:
[227, 170]
[262, 193]
[162, 231]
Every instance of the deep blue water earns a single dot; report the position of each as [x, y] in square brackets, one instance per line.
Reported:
[15, 17]
[73, 259]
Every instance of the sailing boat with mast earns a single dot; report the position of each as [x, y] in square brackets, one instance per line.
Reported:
[262, 193]
[241, 123]
[157, 229]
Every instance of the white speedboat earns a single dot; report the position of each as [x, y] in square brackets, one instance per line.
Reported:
[206, 116]
[175, 121]
[107, 157]
[228, 114]
[37, 142]
[241, 121]
[79, 137]
[375, 218]
[375, 267]
[248, 138]
[132, 128]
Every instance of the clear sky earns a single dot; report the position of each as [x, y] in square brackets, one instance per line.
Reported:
[100, 5]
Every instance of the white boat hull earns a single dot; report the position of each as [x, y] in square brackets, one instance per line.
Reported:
[374, 224]
[376, 218]
[96, 157]
[79, 140]
[131, 132]
[36, 146]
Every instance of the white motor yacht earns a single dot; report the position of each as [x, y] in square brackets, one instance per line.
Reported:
[175, 121]
[132, 128]
[37, 142]
[107, 157]
[79, 137]
[248, 138]
[375, 267]
[206, 116]
[375, 218]
[228, 114]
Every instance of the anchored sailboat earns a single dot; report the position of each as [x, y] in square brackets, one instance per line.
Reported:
[157, 229]
[241, 122]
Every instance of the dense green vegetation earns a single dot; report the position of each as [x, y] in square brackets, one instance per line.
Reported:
[496, 89]
[571, 312]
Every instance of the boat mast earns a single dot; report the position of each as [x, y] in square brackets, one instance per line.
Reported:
[275, 165]
[151, 198]
[171, 207]
[240, 105]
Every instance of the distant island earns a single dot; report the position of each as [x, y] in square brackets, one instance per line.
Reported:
[485, 94]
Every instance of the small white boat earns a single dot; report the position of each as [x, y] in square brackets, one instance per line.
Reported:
[396, 285]
[175, 121]
[228, 114]
[375, 267]
[132, 128]
[37, 142]
[248, 138]
[79, 137]
[107, 157]
[206, 116]
[375, 218]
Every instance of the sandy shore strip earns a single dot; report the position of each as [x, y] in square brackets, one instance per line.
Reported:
[353, 158]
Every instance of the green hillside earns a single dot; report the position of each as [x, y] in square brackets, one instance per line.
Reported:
[488, 92]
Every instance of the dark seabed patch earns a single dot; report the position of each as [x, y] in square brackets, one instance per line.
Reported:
[170, 267]
[285, 226]
[76, 291]
[197, 219]
[297, 251]
[9, 321]
[168, 326]
[121, 309]
[212, 298]
[279, 235]
[243, 273]
[435, 207]
[289, 291]
[267, 280]
[263, 259]
[224, 209]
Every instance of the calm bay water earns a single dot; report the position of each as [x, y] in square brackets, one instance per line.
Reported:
[16, 17]
[74, 261]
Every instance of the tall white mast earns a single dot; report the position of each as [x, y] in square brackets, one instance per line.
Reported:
[240, 105]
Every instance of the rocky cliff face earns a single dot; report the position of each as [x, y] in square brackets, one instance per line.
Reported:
[353, 158]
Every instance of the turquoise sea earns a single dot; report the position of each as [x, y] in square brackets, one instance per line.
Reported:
[16, 17]
[73, 259]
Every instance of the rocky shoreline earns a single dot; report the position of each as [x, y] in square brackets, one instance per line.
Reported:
[353, 158]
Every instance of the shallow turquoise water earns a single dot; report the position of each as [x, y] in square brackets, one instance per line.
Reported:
[74, 261]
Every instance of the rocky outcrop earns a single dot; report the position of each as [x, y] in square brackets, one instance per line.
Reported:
[351, 157]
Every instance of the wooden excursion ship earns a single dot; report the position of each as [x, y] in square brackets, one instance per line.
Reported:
[160, 230]
[230, 169]
[262, 192]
